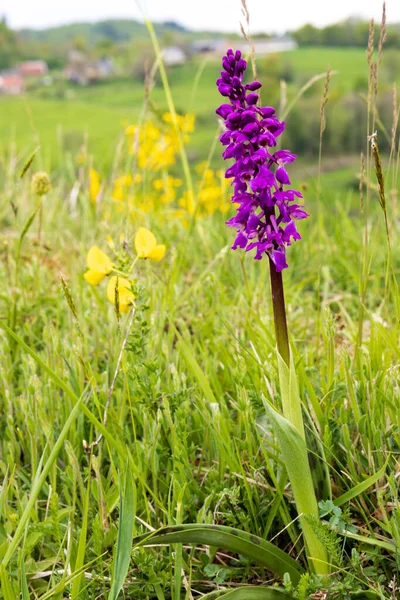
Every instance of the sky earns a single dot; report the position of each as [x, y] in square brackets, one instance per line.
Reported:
[221, 15]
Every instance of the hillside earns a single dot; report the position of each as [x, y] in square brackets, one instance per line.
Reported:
[117, 30]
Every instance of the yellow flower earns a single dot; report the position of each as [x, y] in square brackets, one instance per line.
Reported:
[94, 185]
[99, 266]
[125, 295]
[146, 245]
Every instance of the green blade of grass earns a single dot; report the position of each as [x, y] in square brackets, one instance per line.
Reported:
[125, 534]
[38, 484]
[80, 557]
[233, 540]
[70, 393]
[250, 592]
[195, 368]
[361, 487]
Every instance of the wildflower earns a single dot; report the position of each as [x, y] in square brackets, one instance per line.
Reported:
[166, 188]
[156, 144]
[266, 212]
[146, 245]
[99, 266]
[125, 295]
[40, 183]
[94, 185]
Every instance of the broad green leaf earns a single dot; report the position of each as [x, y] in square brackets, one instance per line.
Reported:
[361, 487]
[250, 592]
[125, 534]
[291, 403]
[230, 539]
[295, 458]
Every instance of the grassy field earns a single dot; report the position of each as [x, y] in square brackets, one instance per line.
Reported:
[102, 111]
[188, 378]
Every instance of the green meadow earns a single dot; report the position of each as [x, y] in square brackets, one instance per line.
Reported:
[102, 111]
[153, 443]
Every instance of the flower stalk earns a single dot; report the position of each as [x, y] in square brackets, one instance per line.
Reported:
[278, 304]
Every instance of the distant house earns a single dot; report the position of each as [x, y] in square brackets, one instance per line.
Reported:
[217, 47]
[32, 68]
[173, 55]
[83, 71]
[11, 83]
[208, 46]
[270, 46]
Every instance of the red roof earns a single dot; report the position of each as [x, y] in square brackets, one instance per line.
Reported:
[11, 83]
[32, 67]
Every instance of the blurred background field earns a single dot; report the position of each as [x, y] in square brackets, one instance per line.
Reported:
[92, 85]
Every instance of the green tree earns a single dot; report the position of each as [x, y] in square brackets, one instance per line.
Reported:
[8, 46]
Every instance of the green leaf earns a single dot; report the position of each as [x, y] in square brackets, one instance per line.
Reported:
[24, 583]
[6, 586]
[230, 539]
[361, 487]
[125, 534]
[365, 595]
[291, 403]
[80, 558]
[295, 458]
[390, 547]
[248, 593]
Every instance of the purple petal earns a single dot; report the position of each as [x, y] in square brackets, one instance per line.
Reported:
[224, 110]
[240, 241]
[278, 257]
[282, 176]
[285, 156]
[252, 99]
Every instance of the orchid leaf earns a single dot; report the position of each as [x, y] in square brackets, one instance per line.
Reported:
[228, 538]
[295, 458]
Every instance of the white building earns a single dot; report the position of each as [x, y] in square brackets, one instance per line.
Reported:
[269, 46]
[173, 55]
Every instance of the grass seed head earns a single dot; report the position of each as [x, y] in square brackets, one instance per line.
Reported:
[40, 183]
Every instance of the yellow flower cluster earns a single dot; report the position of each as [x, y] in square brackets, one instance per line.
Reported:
[94, 185]
[119, 286]
[166, 189]
[155, 145]
[151, 187]
[124, 187]
[212, 193]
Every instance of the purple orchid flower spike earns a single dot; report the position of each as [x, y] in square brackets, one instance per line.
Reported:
[266, 212]
[267, 208]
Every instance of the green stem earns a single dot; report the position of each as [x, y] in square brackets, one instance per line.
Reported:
[278, 303]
